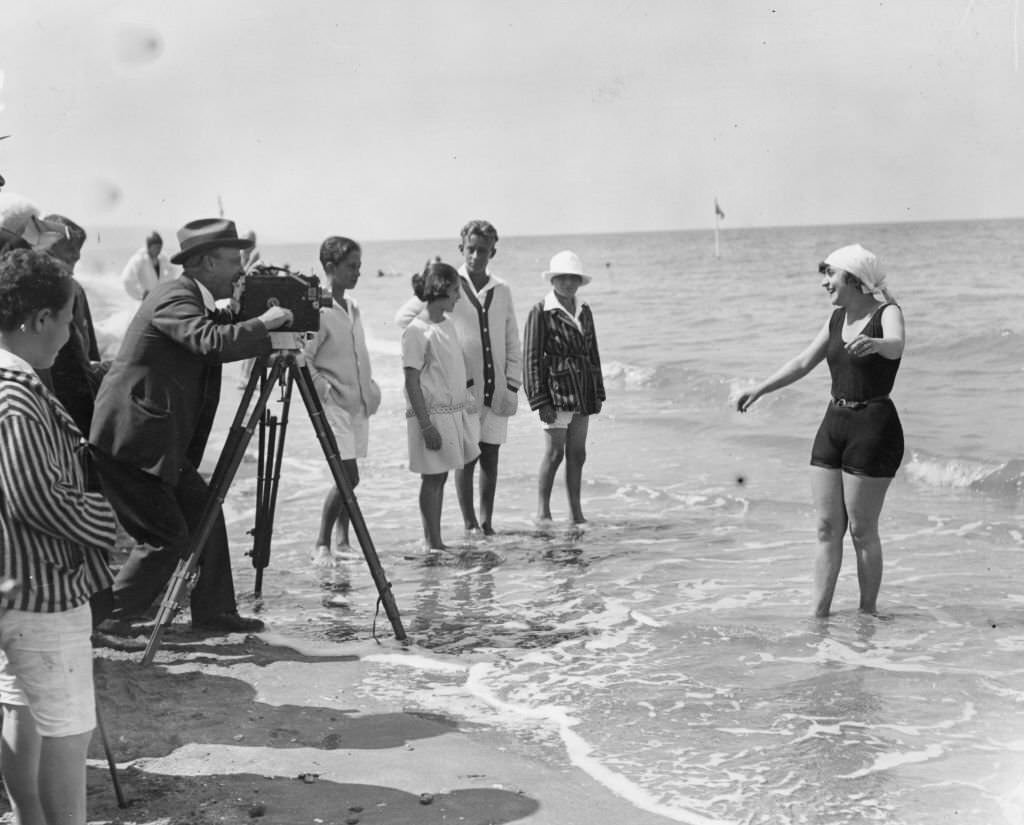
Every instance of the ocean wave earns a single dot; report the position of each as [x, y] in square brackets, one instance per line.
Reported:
[630, 375]
[997, 345]
[581, 753]
[985, 477]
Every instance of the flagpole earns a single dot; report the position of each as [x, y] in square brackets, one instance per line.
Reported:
[718, 215]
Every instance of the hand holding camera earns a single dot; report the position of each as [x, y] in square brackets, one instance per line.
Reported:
[275, 317]
[265, 287]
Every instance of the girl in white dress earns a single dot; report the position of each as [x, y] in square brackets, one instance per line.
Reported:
[444, 431]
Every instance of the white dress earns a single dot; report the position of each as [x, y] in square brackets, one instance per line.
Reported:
[434, 350]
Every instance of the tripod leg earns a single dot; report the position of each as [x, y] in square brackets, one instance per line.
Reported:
[270, 464]
[227, 465]
[330, 448]
[262, 527]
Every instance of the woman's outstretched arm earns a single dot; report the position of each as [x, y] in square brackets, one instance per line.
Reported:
[793, 370]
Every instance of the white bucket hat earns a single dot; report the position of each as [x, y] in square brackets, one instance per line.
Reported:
[566, 262]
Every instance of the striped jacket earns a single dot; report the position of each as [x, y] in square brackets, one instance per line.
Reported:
[54, 534]
[561, 365]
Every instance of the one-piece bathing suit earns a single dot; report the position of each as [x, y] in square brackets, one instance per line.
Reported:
[861, 431]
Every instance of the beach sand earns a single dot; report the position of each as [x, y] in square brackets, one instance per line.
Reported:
[239, 729]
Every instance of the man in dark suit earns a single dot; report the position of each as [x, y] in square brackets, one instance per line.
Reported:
[153, 415]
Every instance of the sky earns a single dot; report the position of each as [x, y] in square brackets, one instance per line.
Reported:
[388, 119]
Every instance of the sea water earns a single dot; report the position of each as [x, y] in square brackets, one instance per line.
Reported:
[667, 649]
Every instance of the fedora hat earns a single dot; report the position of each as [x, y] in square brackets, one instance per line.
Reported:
[208, 233]
[54, 234]
[566, 262]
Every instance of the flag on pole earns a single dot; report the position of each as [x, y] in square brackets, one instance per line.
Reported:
[718, 210]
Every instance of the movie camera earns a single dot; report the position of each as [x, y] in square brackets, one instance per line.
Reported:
[266, 286]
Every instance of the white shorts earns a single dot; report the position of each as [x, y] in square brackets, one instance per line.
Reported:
[46, 666]
[493, 427]
[563, 418]
[351, 431]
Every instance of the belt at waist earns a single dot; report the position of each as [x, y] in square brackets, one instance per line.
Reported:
[441, 409]
[857, 405]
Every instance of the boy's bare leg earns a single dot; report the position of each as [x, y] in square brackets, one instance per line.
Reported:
[575, 458]
[488, 485]
[335, 514]
[554, 449]
[351, 470]
[329, 516]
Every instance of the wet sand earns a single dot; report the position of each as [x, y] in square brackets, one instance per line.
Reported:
[239, 729]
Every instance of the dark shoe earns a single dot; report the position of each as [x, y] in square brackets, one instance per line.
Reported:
[228, 622]
[136, 626]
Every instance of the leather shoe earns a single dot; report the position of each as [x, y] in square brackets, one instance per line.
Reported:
[136, 626]
[229, 622]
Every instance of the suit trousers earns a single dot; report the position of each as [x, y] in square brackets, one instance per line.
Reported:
[163, 517]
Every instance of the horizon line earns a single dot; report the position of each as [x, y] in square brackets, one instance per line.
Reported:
[142, 228]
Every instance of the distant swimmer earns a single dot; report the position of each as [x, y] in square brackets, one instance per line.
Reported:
[859, 445]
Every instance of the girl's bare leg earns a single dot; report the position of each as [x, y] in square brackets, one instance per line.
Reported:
[431, 503]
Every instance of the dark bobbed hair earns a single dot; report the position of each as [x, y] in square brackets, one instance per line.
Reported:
[478, 227]
[29, 282]
[335, 249]
[434, 281]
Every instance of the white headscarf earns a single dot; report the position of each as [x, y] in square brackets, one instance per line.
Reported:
[862, 264]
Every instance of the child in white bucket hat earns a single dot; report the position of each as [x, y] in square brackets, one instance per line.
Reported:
[562, 377]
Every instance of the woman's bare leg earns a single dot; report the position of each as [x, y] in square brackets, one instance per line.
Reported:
[827, 490]
[864, 498]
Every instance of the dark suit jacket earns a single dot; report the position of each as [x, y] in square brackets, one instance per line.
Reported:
[76, 372]
[155, 407]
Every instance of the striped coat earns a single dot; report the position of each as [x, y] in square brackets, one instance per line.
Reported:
[54, 534]
[561, 365]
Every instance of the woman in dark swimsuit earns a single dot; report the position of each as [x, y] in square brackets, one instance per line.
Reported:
[859, 444]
